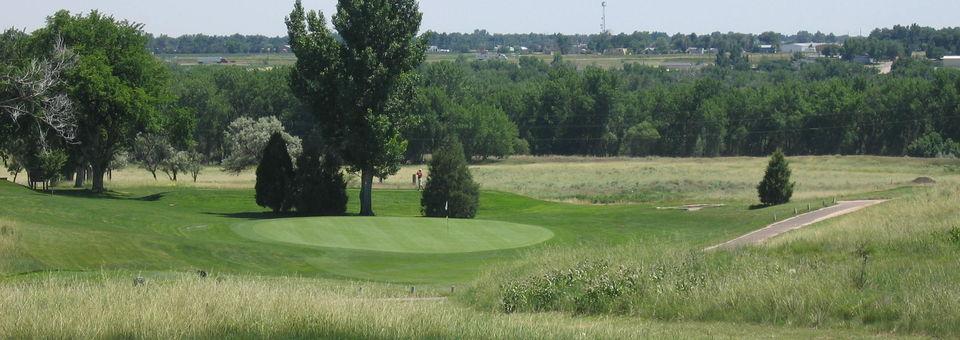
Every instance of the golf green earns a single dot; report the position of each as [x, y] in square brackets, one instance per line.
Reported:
[395, 234]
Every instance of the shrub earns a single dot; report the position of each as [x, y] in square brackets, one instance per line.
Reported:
[245, 140]
[450, 182]
[776, 187]
[321, 188]
[275, 176]
[932, 145]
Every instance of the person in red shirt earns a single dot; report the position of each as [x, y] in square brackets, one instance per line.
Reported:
[420, 179]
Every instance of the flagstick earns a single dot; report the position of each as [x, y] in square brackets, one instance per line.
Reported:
[446, 206]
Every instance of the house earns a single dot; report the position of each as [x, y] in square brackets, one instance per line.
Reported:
[433, 49]
[695, 50]
[767, 49]
[952, 61]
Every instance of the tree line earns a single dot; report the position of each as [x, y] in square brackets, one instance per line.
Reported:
[828, 106]
[83, 93]
[499, 108]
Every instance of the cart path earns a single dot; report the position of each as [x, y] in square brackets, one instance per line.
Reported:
[796, 222]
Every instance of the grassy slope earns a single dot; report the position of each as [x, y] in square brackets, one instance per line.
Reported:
[816, 277]
[180, 229]
[188, 229]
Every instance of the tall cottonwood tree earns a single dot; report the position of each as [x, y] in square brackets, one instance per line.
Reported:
[359, 86]
[117, 85]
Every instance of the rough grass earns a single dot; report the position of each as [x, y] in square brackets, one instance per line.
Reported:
[890, 268]
[62, 306]
[700, 180]
[8, 246]
[630, 180]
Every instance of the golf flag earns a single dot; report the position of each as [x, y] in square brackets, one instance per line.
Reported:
[446, 206]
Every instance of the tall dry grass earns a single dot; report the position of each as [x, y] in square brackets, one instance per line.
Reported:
[246, 307]
[9, 247]
[889, 268]
[611, 180]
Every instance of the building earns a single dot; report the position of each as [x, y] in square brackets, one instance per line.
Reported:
[617, 51]
[951, 61]
[803, 48]
[767, 49]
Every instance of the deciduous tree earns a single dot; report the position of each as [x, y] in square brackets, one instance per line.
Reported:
[117, 85]
[359, 86]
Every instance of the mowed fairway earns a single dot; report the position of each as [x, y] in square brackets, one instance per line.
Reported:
[396, 234]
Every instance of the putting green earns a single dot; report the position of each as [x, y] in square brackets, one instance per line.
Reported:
[395, 234]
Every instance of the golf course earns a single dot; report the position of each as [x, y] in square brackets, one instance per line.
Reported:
[397, 263]
[392, 169]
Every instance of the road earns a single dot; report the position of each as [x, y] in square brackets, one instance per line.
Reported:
[796, 222]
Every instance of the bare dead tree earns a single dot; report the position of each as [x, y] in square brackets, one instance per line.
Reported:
[34, 90]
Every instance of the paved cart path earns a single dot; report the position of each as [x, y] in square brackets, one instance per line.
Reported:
[796, 222]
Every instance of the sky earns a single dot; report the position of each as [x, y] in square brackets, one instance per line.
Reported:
[219, 17]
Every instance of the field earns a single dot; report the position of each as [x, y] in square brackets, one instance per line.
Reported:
[581, 60]
[70, 253]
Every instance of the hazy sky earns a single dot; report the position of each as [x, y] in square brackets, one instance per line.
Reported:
[176, 17]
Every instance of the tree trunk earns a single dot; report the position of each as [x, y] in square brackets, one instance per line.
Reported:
[80, 177]
[97, 177]
[366, 193]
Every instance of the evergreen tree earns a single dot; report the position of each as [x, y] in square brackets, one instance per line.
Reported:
[275, 176]
[321, 188]
[776, 187]
[449, 184]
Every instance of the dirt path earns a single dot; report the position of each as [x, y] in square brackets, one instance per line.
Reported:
[796, 222]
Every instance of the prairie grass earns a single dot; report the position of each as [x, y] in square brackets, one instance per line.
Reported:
[890, 268]
[58, 306]
[615, 180]
[627, 180]
[8, 245]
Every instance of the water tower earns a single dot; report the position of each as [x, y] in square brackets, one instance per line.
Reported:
[603, 22]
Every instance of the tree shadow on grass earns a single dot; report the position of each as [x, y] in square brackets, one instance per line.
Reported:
[109, 194]
[269, 215]
[760, 206]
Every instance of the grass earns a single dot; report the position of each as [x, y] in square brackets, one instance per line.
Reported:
[889, 268]
[396, 234]
[181, 306]
[699, 180]
[191, 228]
[609, 271]
[670, 181]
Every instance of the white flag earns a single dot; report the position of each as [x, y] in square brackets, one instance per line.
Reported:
[446, 206]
